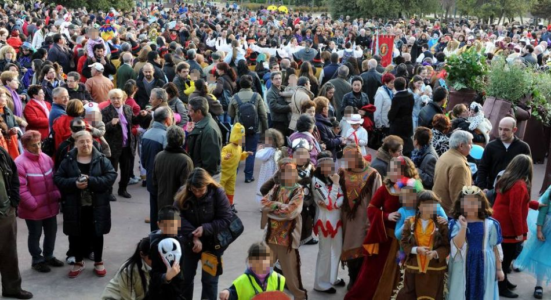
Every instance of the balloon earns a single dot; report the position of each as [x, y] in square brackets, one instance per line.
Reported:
[253, 19]
[476, 152]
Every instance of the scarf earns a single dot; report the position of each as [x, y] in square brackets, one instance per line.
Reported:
[124, 125]
[43, 106]
[418, 154]
[17, 105]
[389, 92]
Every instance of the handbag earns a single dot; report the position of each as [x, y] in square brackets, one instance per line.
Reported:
[48, 145]
[229, 234]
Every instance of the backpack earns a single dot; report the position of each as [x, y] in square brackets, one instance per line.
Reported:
[225, 98]
[248, 116]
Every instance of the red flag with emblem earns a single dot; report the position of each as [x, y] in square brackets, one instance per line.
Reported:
[384, 44]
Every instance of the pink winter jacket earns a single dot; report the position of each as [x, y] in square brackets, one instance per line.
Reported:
[39, 195]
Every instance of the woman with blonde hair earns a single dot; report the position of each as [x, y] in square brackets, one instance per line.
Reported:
[201, 194]
[8, 56]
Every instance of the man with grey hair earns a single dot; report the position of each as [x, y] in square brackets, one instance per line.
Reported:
[146, 85]
[59, 104]
[125, 71]
[193, 64]
[172, 167]
[158, 98]
[154, 141]
[342, 87]
[76, 89]
[452, 171]
[205, 140]
[372, 80]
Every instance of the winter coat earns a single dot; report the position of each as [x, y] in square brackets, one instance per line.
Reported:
[427, 113]
[205, 145]
[36, 118]
[212, 211]
[463, 124]
[81, 93]
[101, 178]
[178, 107]
[215, 108]
[62, 57]
[372, 81]
[426, 167]
[141, 97]
[279, 108]
[113, 133]
[311, 140]
[301, 95]
[350, 99]
[153, 142]
[39, 195]
[401, 119]
[342, 87]
[328, 137]
[172, 167]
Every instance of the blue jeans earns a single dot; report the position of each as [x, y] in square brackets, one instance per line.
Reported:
[251, 142]
[33, 241]
[224, 118]
[209, 283]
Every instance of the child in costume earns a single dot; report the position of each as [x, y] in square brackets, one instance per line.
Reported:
[269, 154]
[474, 263]
[281, 211]
[166, 257]
[328, 226]
[534, 257]
[426, 245]
[258, 278]
[357, 134]
[232, 154]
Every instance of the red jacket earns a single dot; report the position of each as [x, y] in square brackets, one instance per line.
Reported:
[37, 118]
[511, 211]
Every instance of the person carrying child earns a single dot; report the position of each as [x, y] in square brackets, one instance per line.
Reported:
[269, 154]
[232, 154]
[166, 257]
[426, 245]
[258, 278]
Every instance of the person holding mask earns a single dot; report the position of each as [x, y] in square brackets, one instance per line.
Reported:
[85, 179]
[39, 201]
[201, 194]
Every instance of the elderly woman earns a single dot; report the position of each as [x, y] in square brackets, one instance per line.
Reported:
[37, 111]
[305, 128]
[62, 125]
[325, 128]
[8, 56]
[118, 119]
[392, 147]
[39, 204]
[424, 156]
[201, 194]
[84, 179]
[383, 101]
[11, 84]
[9, 130]
[440, 127]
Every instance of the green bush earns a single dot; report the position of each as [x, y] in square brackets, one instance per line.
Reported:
[510, 82]
[467, 70]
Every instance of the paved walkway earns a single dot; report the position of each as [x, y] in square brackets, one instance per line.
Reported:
[128, 228]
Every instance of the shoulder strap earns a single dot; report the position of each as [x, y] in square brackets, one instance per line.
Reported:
[278, 282]
[239, 102]
[253, 99]
[256, 292]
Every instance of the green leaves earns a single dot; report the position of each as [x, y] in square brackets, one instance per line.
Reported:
[467, 70]
[105, 5]
[510, 82]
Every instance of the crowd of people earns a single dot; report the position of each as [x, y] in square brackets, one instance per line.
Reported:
[176, 97]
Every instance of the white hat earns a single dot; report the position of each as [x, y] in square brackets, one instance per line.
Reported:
[355, 119]
[91, 107]
[97, 66]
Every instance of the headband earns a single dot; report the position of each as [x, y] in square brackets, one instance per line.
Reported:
[471, 190]
[402, 160]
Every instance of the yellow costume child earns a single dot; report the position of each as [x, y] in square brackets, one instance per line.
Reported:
[232, 154]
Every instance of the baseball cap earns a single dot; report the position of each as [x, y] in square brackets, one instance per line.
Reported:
[97, 66]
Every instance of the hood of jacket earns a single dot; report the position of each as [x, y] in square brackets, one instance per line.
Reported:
[237, 133]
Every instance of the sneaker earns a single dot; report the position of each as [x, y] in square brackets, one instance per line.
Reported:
[134, 180]
[71, 260]
[42, 267]
[313, 241]
[233, 208]
[249, 180]
[538, 292]
[54, 262]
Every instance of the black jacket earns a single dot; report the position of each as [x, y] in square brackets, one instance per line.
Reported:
[279, 108]
[463, 124]
[11, 182]
[80, 93]
[427, 113]
[65, 147]
[113, 133]
[101, 178]
[212, 211]
[62, 57]
[401, 119]
[108, 68]
[350, 99]
[372, 81]
[142, 97]
[496, 158]
[327, 135]
[159, 288]
[169, 71]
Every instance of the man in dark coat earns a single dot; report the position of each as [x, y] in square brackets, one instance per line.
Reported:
[125, 71]
[439, 98]
[60, 53]
[342, 87]
[372, 80]
[401, 115]
[9, 200]
[146, 84]
[76, 89]
[108, 67]
[330, 71]
[205, 140]
[279, 108]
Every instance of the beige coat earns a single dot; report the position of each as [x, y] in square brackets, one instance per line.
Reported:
[119, 286]
[301, 95]
[452, 172]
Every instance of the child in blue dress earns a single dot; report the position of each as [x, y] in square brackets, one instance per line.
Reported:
[534, 257]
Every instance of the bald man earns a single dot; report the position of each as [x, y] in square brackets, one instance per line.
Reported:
[499, 153]
[147, 82]
[372, 80]
[125, 71]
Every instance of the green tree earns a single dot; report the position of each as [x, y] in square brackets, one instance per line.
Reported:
[124, 5]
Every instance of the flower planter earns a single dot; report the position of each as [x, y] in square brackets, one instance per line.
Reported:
[496, 109]
[465, 96]
[537, 137]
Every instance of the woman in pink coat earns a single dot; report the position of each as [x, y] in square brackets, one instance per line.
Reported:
[39, 204]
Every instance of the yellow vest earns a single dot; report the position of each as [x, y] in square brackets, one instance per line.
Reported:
[247, 287]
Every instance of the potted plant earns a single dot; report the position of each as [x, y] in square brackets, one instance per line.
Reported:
[466, 73]
[537, 133]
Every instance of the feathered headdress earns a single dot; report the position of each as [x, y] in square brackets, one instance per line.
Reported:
[416, 184]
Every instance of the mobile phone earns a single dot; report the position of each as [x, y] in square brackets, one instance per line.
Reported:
[82, 178]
